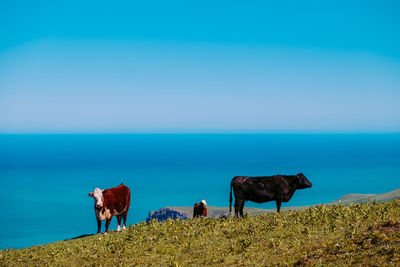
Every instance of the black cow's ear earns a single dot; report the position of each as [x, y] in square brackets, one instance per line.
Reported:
[90, 194]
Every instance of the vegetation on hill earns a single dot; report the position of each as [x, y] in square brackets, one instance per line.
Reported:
[358, 234]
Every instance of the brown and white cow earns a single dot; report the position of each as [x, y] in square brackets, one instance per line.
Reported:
[110, 202]
[200, 209]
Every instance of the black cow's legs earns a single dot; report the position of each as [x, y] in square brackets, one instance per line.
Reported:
[278, 205]
[236, 208]
[241, 208]
[98, 226]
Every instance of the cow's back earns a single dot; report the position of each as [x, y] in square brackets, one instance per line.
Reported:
[117, 198]
[258, 188]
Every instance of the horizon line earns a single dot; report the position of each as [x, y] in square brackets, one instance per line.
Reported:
[195, 132]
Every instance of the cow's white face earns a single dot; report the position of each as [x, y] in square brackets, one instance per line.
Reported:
[98, 197]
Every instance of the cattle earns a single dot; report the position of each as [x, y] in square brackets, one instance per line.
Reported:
[265, 188]
[200, 209]
[110, 202]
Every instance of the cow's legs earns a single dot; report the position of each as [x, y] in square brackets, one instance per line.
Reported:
[236, 207]
[239, 203]
[119, 218]
[278, 205]
[124, 215]
[241, 208]
[98, 226]
[108, 221]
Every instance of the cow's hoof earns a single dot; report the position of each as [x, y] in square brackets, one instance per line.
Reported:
[105, 233]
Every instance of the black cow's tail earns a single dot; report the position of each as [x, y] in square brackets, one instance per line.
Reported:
[230, 200]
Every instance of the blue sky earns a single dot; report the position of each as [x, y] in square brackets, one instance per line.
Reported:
[209, 66]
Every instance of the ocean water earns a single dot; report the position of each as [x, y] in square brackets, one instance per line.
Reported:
[45, 179]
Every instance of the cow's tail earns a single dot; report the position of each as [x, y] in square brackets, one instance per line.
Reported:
[230, 200]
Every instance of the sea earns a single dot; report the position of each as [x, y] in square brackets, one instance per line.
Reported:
[45, 178]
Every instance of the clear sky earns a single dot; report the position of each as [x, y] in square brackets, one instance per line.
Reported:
[199, 66]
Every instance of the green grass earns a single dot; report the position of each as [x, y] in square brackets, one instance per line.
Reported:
[332, 235]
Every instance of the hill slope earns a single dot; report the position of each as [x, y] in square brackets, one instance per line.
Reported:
[217, 212]
[363, 198]
[358, 234]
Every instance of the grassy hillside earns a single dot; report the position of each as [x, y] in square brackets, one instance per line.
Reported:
[345, 200]
[220, 211]
[217, 212]
[363, 198]
[358, 234]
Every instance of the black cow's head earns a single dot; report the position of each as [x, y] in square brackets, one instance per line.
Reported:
[302, 181]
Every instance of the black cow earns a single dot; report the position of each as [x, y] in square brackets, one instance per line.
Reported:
[265, 188]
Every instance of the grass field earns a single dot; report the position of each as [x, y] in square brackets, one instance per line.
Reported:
[357, 234]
